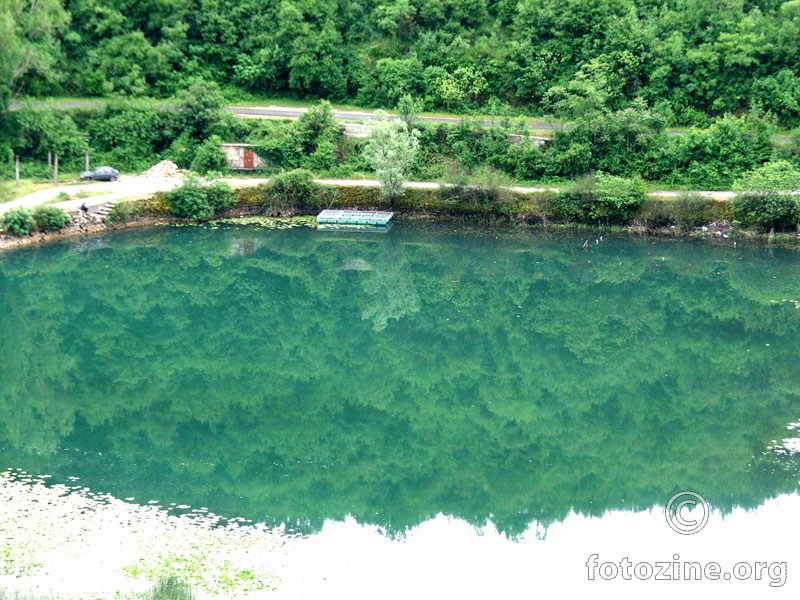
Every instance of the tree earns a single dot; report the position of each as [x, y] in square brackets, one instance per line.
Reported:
[390, 152]
[47, 129]
[28, 31]
[199, 107]
[409, 108]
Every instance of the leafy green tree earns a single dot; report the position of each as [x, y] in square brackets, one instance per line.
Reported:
[128, 133]
[199, 107]
[409, 108]
[29, 32]
[47, 130]
[390, 152]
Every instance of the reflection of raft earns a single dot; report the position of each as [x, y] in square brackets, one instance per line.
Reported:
[354, 219]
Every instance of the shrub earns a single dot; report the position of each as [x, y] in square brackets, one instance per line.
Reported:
[18, 221]
[121, 213]
[193, 200]
[616, 198]
[294, 188]
[50, 218]
[209, 156]
[691, 210]
[190, 200]
[768, 210]
[766, 196]
[656, 213]
[601, 196]
[220, 196]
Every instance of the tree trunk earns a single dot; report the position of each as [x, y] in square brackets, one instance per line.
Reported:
[49, 159]
[16, 169]
[55, 171]
[87, 159]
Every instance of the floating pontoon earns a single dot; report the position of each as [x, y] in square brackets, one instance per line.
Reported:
[354, 219]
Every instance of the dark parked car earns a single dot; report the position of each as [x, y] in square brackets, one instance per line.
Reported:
[101, 174]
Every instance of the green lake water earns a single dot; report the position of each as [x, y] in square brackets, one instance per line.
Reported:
[297, 376]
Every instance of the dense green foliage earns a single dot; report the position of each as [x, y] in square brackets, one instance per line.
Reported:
[767, 197]
[390, 152]
[601, 197]
[297, 376]
[689, 59]
[194, 199]
[18, 221]
[633, 142]
[28, 44]
[50, 218]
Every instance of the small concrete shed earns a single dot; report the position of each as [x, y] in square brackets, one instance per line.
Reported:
[242, 157]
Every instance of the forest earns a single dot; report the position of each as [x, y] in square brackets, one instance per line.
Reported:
[689, 60]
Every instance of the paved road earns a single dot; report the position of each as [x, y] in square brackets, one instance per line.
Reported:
[137, 186]
[350, 115]
[287, 112]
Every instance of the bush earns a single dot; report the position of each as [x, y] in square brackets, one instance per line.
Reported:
[655, 212]
[190, 201]
[193, 200]
[220, 196]
[50, 218]
[18, 221]
[692, 210]
[766, 196]
[601, 196]
[209, 156]
[122, 213]
[767, 210]
[294, 188]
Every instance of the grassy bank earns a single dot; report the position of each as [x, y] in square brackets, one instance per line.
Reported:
[473, 203]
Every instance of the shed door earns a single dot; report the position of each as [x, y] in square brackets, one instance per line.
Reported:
[248, 158]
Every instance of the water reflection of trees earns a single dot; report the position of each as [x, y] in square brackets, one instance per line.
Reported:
[389, 288]
[314, 376]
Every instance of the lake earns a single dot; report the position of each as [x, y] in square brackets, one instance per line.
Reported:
[484, 408]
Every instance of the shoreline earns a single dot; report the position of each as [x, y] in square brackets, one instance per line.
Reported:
[82, 225]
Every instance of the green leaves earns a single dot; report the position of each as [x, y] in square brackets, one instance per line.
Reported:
[768, 197]
[197, 200]
[18, 221]
[50, 218]
[601, 197]
[28, 31]
[390, 152]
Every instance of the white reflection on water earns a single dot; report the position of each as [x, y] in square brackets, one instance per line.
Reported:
[449, 559]
[81, 544]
